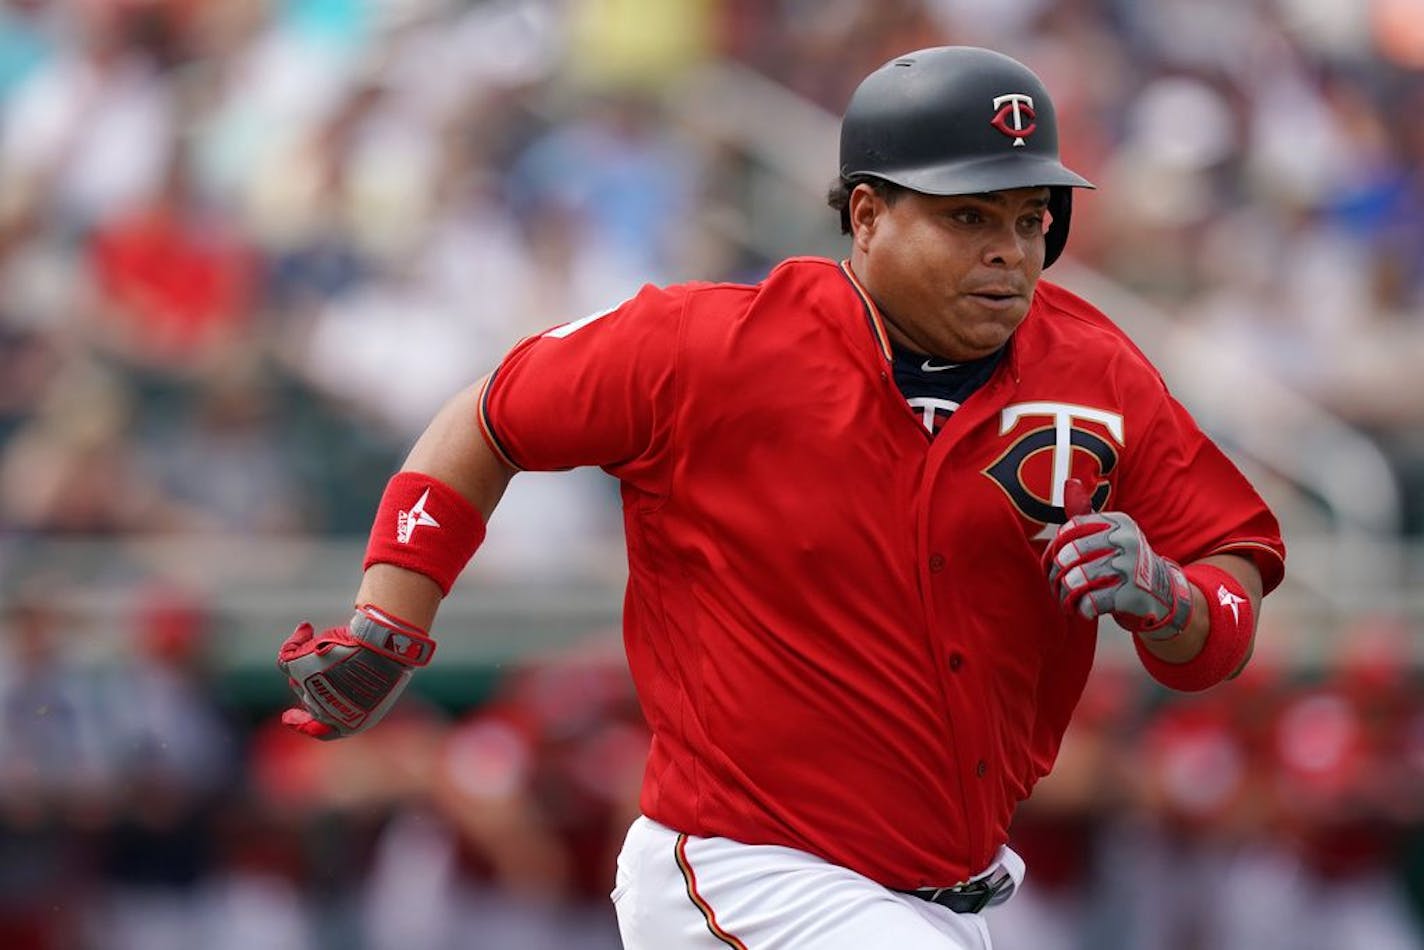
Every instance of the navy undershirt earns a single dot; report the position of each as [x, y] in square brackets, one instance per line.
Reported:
[935, 387]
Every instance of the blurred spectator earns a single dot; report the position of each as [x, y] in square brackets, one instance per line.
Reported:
[1398, 32]
[617, 185]
[222, 466]
[51, 746]
[55, 772]
[27, 39]
[1343, 797]
[71, 469]
[173, 757]
[85, 135]
[638, 44]
[175, 285]
[1204, 867]
[817, 49]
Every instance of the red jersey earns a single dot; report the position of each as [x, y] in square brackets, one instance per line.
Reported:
[838, 626]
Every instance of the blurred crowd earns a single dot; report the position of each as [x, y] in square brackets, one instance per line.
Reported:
[247, 247]
[1285, 812]
[140, 809]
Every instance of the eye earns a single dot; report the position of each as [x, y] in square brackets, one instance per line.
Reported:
[967, 216]
[1033, 223]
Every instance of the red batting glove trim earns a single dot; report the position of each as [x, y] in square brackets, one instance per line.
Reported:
[1227, 640]
[424, 525]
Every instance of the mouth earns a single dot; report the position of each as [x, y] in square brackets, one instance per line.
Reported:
[996, 299]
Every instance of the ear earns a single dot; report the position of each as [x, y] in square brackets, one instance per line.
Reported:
[865, 208]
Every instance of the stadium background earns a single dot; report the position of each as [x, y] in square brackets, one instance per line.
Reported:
[248, 246]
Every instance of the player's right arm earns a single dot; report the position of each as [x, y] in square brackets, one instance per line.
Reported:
[346, 678]
[595, 391]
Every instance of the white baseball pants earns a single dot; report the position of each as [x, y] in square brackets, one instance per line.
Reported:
[679, 892]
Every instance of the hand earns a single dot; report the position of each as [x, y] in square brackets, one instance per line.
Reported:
[347, 678]
[1101, 563]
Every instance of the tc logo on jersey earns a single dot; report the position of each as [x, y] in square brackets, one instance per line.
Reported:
[416, 517]
[1034, 468]
[1015, 117]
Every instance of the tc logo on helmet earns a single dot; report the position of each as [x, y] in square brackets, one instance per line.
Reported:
[1014, 117]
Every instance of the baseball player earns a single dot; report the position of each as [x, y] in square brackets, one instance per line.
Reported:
[874, 510]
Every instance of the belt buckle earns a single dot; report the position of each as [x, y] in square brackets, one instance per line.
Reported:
[968, 898]
[971, 897]
[985, 893]
[998, 890]
[980, 893]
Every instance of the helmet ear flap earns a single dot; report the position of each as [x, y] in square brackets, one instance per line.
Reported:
[1060, 215]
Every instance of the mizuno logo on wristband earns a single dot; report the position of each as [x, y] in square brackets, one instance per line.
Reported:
[417, 516]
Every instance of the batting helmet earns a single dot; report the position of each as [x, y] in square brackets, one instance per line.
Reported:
[958, 120]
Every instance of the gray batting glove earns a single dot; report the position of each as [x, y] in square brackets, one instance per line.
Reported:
[1100, 563]
[347, 678]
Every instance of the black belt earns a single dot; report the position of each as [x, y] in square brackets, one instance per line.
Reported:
[969, 898]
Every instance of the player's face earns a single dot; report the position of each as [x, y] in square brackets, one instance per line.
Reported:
[953, 275]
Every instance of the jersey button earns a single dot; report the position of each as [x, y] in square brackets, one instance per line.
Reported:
[936, 562]
[956, 660]
[981, 768]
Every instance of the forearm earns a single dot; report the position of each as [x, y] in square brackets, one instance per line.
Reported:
[452, 450]
[431, 520]
[1186, 645]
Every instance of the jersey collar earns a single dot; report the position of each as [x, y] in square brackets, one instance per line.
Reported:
[872, 313]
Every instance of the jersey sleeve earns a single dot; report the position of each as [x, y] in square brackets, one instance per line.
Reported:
[596, 391]
[1191, 500]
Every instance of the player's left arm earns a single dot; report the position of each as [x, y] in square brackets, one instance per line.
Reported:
[1102, 563]
[1187, 644]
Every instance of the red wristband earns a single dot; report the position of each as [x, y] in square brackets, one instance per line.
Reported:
[424, 525]
[1227, 640]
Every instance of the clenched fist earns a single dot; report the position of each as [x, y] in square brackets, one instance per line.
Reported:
[1100, 563]
[347, 678]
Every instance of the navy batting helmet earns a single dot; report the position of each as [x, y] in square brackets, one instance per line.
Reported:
[957, 120]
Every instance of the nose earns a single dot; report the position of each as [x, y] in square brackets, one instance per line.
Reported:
[1005, 247]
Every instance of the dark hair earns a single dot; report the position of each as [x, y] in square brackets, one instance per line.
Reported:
[838, 195]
